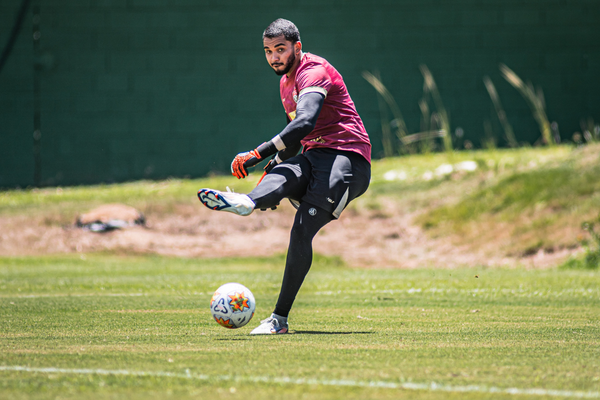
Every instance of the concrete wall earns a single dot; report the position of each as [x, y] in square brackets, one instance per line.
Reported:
[135, 89]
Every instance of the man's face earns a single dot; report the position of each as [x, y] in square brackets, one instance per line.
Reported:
[281, 54]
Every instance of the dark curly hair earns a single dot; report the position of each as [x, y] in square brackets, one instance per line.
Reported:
[282, 27]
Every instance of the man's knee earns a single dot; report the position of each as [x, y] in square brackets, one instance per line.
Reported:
[283, 181]
[309, 220]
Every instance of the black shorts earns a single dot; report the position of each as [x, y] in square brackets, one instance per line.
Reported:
[326, 178]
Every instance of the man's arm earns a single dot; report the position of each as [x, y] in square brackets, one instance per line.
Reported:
[281, 156]
[307, 112]
[288, 152]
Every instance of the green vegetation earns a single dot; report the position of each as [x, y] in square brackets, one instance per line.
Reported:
[435, 121]
[591, 245]
[122, 326]
[536, 101]
[559, 188]
[134, 192]
[160, 196]
[486, 328]
[539, 196]
[525, 200]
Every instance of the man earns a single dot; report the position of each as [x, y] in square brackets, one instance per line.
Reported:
[333, 168]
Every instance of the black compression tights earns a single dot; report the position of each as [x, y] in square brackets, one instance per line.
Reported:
[309, 220]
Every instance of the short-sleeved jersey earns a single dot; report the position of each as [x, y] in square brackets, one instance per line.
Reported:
[338, 126]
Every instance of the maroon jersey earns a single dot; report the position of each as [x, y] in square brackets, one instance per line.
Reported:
[339, 126]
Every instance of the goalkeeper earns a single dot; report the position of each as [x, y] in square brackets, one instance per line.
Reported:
[333, 168]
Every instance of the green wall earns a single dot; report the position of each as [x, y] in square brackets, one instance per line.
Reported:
[134, 89]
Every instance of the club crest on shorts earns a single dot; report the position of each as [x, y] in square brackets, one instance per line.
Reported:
[312, 211]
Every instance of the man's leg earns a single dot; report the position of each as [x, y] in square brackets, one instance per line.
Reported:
[308, 221]
[288, 179]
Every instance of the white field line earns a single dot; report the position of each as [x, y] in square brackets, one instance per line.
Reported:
[304, 381]
[41, 295]
[34, 296]
[492, 291]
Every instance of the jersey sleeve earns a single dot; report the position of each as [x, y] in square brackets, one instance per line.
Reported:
[313, 78]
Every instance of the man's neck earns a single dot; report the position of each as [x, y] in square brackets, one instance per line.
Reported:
[296, 64]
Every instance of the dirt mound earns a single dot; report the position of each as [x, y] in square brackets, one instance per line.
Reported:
[109, 212]
[108, 217]
[382, 238]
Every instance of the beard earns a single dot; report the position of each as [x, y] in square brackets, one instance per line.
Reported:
[288, 66]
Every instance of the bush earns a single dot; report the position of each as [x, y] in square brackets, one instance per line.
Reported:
[591, 257]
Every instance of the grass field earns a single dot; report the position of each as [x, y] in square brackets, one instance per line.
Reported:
[111, 327]
[114, 325]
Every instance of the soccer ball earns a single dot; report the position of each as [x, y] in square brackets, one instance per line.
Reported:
[232, 305]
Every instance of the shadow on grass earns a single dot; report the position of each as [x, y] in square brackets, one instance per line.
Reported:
[328, 333]
[301, 333]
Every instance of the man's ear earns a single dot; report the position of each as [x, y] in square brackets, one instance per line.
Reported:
[297, 47]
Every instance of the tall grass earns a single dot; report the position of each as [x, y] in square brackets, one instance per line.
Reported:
[384, 98]
[430, 89]
[590, 130]
[433, 124]
[506, 126]
[435, 118]
[535, 100]
[397, 122]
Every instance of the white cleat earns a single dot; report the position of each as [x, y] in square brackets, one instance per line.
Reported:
[236, 203]
[270, 326]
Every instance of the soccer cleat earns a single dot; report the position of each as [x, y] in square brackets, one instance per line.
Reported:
[270, 326]
[236, 203]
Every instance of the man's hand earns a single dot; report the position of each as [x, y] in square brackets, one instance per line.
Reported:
[243, 161]
[269, 167]
[271, 164]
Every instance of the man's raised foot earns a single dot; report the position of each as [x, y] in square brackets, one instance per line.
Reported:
[236, 203]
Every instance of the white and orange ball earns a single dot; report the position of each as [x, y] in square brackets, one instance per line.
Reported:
[232, 305]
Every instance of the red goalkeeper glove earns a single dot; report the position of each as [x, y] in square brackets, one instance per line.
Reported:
[243, 161]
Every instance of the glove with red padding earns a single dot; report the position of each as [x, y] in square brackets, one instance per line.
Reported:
[243, 161]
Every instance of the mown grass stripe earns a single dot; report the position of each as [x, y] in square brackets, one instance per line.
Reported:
[303, 381]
